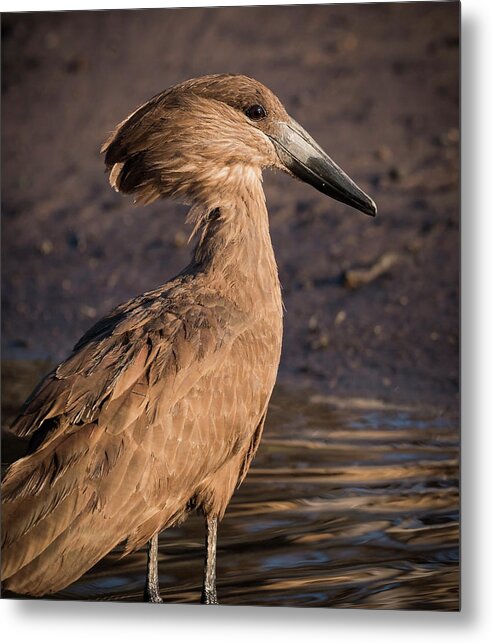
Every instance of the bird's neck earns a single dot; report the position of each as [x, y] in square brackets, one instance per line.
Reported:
[235, 246]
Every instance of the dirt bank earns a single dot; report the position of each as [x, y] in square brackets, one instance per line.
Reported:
[371, 305]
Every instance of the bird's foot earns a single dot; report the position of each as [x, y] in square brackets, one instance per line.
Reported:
[151, 595]
[209, 597]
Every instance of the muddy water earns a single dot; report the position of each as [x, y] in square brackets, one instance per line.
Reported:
[349, 503]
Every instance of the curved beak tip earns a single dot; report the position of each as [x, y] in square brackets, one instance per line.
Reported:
[372, 208]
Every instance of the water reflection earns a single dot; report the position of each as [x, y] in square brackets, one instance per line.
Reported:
[346, 506]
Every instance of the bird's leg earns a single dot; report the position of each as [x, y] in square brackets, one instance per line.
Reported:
[151, 594]
[209, 592]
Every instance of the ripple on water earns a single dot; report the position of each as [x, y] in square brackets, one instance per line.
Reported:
[348, 504]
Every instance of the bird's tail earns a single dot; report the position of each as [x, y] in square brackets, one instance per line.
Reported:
[65, 507]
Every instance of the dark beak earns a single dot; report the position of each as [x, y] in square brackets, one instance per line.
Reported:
[304, 158]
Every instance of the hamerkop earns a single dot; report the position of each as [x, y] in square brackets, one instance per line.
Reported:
[160, 407]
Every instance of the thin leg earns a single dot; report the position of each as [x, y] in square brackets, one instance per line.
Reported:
[209, 592]
[151, 594]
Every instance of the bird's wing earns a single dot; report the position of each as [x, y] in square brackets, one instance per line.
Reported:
[165, 334]
[94, 428]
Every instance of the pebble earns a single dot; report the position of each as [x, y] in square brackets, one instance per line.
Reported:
[313, 323]
[453, 135]
[180, 239]
[46, 247]
[88, 311]
[320, 342]
[341, 316]
[384, 153]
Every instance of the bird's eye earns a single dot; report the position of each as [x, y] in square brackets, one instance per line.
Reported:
[255, 112]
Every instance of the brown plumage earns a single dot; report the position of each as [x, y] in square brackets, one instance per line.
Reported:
[160, 407]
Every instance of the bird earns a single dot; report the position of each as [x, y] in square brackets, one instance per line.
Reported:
[159, 409]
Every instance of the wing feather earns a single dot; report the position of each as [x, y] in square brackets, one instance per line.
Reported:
[118, 438]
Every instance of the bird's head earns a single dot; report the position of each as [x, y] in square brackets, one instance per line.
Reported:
[198, 140]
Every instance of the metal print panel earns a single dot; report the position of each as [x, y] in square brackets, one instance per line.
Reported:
[275, 421]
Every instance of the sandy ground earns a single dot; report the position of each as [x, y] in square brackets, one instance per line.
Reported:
[376, 85]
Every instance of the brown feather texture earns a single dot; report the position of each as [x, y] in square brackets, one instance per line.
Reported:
[160, 406]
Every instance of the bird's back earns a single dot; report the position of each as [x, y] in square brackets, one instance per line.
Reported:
[159, 409]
